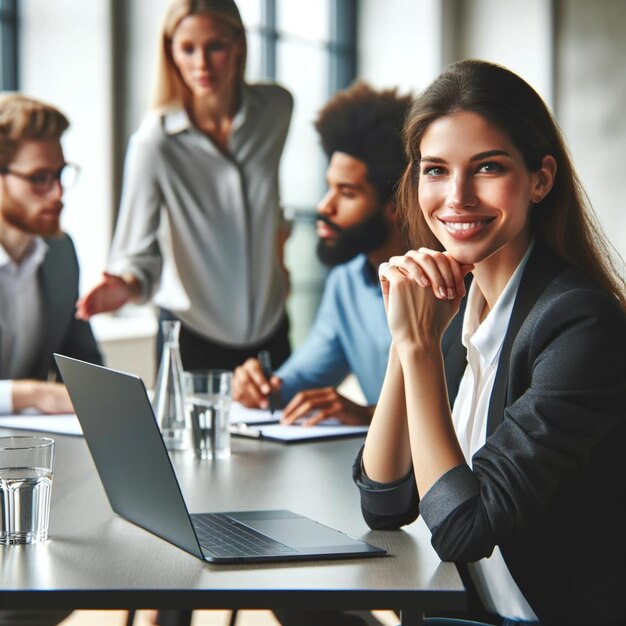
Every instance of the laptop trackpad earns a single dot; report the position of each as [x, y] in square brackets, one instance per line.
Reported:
[300, 532]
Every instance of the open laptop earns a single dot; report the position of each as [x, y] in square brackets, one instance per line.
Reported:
[135, 468]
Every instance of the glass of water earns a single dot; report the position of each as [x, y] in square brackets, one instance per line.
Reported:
[26, 465]
[208, 397]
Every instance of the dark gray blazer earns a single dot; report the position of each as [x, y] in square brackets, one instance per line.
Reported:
[58, 276]
[549, 485]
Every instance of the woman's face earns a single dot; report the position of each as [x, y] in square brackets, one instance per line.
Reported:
[207, 54]
[475, 191]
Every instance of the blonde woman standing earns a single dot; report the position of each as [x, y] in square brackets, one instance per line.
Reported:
[200, 230]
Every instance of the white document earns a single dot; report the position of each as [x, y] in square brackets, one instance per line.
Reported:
[257, 423]
[260, 424]
[69, 424]
[239, 414]
[328, 429]
[66, 424]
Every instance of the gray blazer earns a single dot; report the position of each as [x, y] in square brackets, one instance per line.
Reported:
[58, 276]
[549, 485]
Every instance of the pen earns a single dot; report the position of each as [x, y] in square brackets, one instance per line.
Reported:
[266, 365]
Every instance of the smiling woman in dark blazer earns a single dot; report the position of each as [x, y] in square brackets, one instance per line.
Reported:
[503, 424]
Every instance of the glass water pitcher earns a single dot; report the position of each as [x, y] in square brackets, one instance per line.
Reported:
[168, 403]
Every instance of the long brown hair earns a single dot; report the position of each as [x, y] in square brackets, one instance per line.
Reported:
[169, 90]
[563, 219]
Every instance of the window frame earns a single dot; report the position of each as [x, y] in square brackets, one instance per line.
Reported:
[9, 77]
[340, 47]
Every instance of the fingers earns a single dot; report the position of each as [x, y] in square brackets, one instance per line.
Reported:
[318, 417]
[313, 406]
[442, 272]
[409, 266]
[109, 294]
[459, 271]
[88, 305]
[62, 401]
[308, 401]
[250, 387]
[428, 268]
[384, 283]
[276, 384]
[54, 398]
[82, 310]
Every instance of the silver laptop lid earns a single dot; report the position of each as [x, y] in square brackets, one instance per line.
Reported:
[122, 434]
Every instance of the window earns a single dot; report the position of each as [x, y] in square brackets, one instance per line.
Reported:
[310, 49]
[8, 45]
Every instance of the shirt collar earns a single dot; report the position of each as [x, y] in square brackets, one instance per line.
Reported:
[370, 274]
[176, 121]
[5, 259]
[32, 259]
[487, 337]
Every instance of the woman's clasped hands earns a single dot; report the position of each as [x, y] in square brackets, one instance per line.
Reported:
[422, 291]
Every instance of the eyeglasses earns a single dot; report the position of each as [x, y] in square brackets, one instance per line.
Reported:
[41, 182]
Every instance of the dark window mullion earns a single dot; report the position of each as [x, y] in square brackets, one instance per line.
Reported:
[269, 38]
[342, 45]
[8, 45]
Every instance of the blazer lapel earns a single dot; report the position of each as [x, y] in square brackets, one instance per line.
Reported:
[453, 350]
[49, 303]
[455, 356]
[541, 269]
[3, 366]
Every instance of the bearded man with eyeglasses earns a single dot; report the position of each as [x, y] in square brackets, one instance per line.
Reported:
[38, 264]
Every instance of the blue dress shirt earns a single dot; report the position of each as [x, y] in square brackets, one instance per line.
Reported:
[350, 335]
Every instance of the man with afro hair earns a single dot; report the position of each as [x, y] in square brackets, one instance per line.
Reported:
[360, 131]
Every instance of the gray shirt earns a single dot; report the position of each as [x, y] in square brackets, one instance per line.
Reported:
[199, 227]
[21, 317]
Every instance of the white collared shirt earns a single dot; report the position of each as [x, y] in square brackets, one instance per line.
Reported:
[199, 228]
[494, 583]
[21, 317]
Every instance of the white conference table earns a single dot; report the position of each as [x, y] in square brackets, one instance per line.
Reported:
[94, 559]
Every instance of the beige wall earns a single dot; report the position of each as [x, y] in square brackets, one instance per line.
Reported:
[590, 97]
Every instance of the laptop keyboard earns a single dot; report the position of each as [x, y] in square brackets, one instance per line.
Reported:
[223, 537]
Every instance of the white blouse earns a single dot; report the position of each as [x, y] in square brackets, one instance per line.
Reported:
[198, 227]
[494, 583]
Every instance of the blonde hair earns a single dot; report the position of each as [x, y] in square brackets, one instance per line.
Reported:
[22, 119]
[169, 91]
